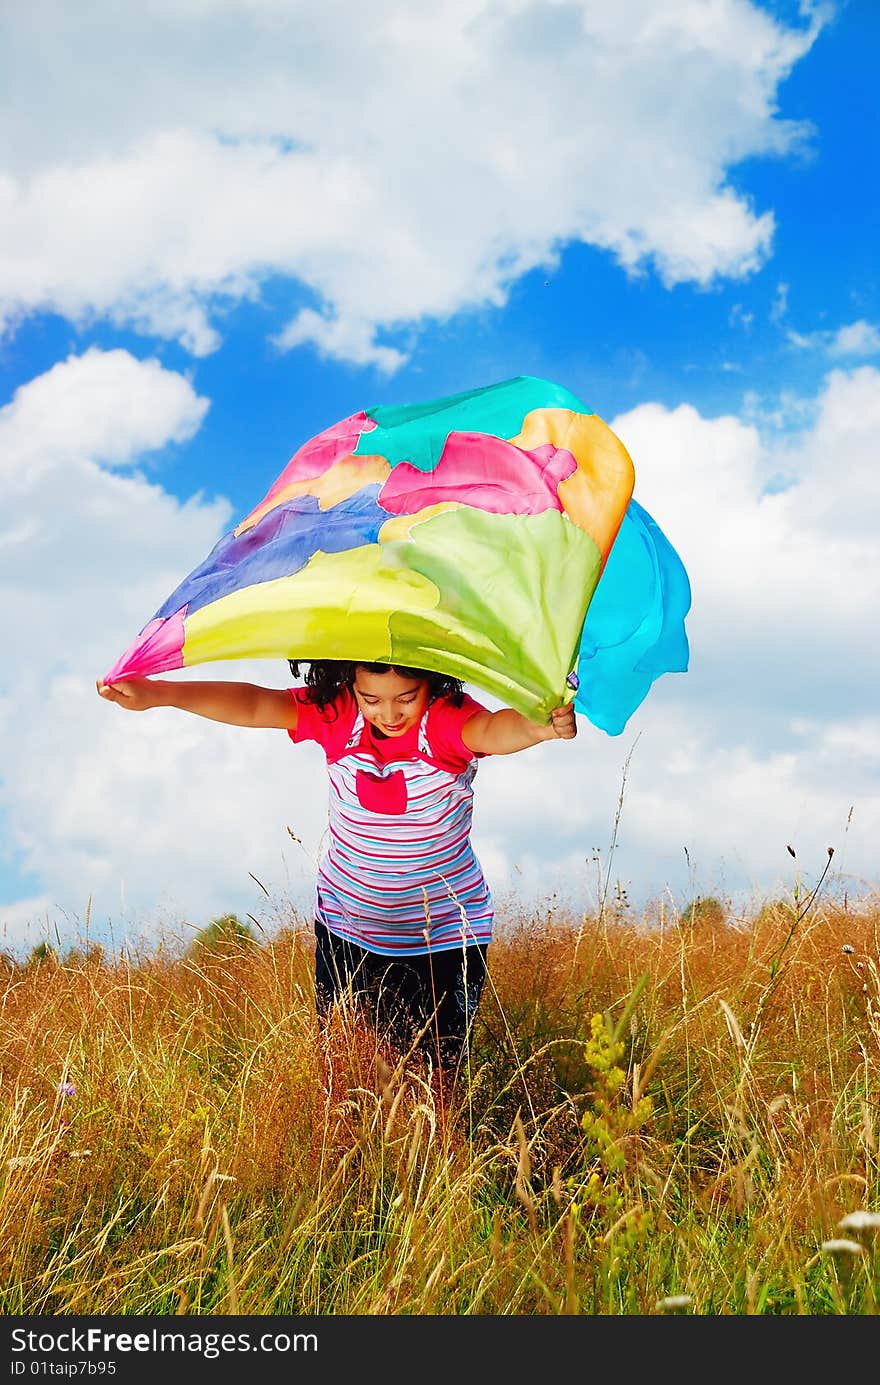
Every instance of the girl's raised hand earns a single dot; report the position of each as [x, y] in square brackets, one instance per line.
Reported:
[134, 694]
[563, 723]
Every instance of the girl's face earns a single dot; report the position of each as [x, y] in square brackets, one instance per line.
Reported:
[390, 701]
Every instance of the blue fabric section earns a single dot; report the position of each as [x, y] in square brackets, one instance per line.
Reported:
[417, 433]
[280, 544]
[634, 630]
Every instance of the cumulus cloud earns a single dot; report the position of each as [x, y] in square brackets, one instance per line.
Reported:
[71, 577]
[74, 588]
[152, 822]
[164, 819]
[105, 406]
[771, 737]
[404, 166]
[668, 811]
[788, 575]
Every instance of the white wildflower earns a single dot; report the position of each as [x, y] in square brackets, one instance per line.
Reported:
[859, 1221]
[674, 1301]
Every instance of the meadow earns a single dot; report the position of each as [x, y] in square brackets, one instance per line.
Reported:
[672, 1113]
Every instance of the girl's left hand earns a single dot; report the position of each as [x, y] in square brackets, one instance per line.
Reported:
[562, 724]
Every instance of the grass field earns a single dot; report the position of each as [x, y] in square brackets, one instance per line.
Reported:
[664, 1114]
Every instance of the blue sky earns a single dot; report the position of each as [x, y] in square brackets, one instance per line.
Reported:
[278, 215]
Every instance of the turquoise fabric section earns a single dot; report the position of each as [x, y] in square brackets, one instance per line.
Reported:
[416, 433]
[634, 630]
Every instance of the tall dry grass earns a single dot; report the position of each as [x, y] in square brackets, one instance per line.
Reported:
[661, 1115]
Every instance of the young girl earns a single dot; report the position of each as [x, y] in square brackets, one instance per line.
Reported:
[403, 915]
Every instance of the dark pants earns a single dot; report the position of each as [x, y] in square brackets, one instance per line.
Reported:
[437, 992]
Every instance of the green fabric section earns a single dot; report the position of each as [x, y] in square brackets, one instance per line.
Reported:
[497, 600]
[514, 590]
[416, 433]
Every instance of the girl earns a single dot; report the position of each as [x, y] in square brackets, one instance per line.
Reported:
[403, 915]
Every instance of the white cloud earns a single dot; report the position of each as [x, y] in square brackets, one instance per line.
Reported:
[153, 818]
[103, 405]
[405, 163]
[785, 583]
[339, 340]
[73, 582]
[696, 815]
[75, 588]
[770, 738]
[779, 306]
[855, 339]
[738, 317]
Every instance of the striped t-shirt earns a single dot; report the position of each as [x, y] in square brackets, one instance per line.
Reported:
[398, 874]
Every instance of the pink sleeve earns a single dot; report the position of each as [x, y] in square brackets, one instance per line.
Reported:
[445, 725]
[329, 726]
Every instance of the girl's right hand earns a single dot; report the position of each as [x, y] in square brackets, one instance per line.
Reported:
[134, 694]
[235, 704]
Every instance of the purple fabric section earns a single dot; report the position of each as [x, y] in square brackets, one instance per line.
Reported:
[484, 472]
[158, 648]
[282, 543]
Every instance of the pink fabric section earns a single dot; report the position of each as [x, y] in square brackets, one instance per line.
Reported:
[158, 647]
[484, 472]
[320, 452]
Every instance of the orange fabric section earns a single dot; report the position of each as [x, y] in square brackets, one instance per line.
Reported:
[595, 496]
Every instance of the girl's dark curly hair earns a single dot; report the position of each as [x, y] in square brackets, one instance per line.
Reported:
[325, 679]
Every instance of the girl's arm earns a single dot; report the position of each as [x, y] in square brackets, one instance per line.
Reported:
[501, 733]
[237, 704]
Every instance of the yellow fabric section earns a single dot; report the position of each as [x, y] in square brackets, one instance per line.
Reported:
[336, 607]
[399, 526]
